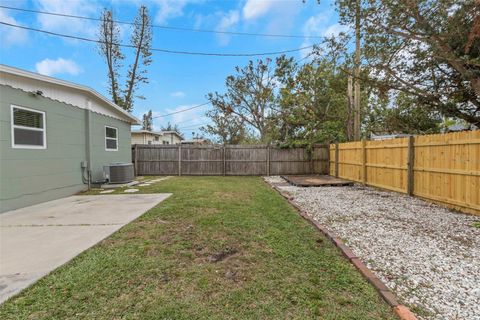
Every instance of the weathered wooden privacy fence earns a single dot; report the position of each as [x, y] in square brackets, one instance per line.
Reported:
[228, 160]
[443, 167]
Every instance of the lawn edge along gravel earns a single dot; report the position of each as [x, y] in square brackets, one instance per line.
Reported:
[400, 310]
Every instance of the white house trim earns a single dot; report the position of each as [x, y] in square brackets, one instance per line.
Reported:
[108, 138]
[64, 91]
[13, 126]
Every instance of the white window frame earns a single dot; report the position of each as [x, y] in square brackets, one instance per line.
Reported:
[13, 126]
[116, 139]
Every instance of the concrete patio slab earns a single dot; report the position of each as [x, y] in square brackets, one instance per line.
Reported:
[36, 240]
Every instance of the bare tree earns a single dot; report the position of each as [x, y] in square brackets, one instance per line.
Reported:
[142, 40]
[110, 49]
[109, 40]
[147, 122]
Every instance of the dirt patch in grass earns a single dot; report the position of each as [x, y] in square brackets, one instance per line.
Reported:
[222, 254]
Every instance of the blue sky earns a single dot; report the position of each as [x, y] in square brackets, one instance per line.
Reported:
[176, 81]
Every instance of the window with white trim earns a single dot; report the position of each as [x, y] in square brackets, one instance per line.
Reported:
[111, 138]
[28, 128]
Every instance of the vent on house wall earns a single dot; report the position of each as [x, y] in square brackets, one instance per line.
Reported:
[119, 172]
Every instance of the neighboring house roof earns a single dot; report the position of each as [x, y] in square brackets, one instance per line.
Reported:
[35, 76]
[146, 131]
[173, 132]
[457, 127]
[158, 133]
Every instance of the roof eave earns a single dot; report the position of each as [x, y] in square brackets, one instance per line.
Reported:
[23, 73]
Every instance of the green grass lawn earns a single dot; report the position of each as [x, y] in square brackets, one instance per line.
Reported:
[219, 248]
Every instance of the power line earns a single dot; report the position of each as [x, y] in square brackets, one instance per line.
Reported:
[179, 111]
[190, 120]
[217, 54]
[166, 27]
[193, 126]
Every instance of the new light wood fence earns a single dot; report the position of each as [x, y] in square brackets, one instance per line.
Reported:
[443, 168]
[228, 160]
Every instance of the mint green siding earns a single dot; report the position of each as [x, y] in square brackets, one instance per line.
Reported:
[29, 176]
[99, 155]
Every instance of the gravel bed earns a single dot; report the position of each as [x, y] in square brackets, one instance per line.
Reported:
[428, 255]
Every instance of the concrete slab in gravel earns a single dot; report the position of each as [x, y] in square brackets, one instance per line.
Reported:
[37, 239]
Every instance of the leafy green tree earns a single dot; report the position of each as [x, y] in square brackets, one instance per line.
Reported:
[404, 117]
[428, 50]
[227, 128]
[312, 102]
[250, 96]
[147, 121]
[170, 127]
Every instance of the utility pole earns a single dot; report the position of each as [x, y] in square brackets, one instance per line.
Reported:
[351, 109]
[356, 97]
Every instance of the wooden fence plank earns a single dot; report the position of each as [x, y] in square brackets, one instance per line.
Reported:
[364, 162]
[337, 155]
[411, 157]
[443, 168]
[230, 160]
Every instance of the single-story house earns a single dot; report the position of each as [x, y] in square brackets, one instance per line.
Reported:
[54, 135]
[172, 137]
[153, 137]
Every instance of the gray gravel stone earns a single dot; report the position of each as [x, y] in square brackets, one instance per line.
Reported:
[428, 255]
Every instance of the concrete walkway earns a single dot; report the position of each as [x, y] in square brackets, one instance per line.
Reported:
[36, 240]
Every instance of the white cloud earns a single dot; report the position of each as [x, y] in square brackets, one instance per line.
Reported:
[257, 8]
[169, 9]
[72, 25]
[10, 35]
[334, 30]
[177, 94]
[227, 21]
[319, 26]
[50, 67]
[281, 14]
[315, 25]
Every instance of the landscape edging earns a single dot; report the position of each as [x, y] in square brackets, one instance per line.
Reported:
[400, 310]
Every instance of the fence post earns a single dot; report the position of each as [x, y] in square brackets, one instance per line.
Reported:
[135, 160]
[336, 159]
[364, 162]
[268, 160]
[411, 160]
[224, 162]
[179, 159]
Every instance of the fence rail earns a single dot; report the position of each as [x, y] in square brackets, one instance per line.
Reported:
[228, 160]
[443, 168]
